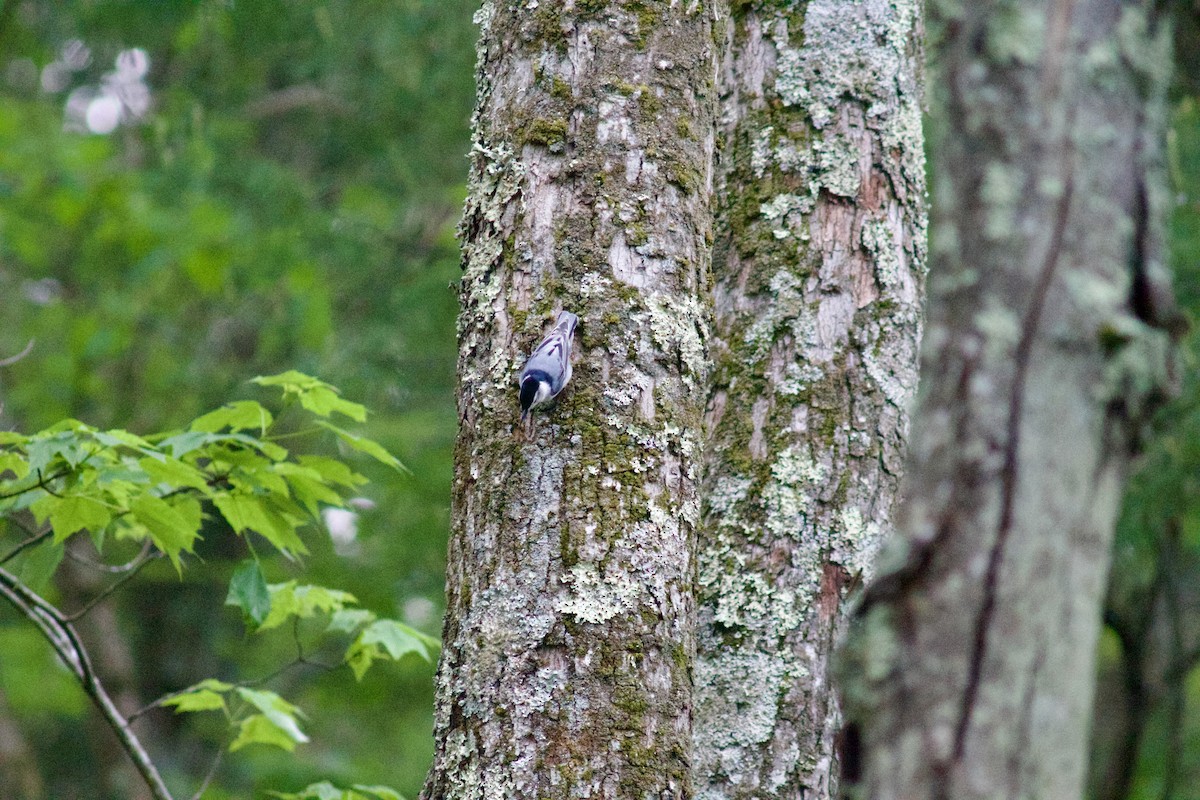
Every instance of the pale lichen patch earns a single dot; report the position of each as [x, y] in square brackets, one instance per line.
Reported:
[789, 305]
[787, 212]
[880, 241]
[837, 165]
[597, 598]
[788, 496]
[677, 328]
[741, 689]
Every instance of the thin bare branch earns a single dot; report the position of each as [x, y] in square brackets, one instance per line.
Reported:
[33, 540]
[212, 773]
[8, 362]
[140, 562]
[133, 563]
[66, 643]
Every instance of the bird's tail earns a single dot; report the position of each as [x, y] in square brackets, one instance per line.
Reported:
[566, 323]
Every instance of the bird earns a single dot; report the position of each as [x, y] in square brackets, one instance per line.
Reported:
[548, 369]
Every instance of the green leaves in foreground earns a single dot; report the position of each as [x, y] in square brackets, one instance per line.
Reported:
[327, 791]
[263, 717]
[373, 639]
[161, 488]
[260, 716]
[166, 490]
[248, 591]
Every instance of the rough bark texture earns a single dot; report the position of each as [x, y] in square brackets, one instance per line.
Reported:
[818, 272]
[972, 662]
[568, 640]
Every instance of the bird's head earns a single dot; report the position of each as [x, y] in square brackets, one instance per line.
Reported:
[535, 388]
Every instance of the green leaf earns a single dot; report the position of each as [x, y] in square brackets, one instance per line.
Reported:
[14, 463]
[382, 792]
[261, 477]
[251, 512]
[258, 729]
[174, 526]
[333, 471]
[174, 473]
[361, 658]
[70, 514]
[386, 637]
[292, 600]
[315, 395]
[275, 709]
[12, 437]
[203, 696]
[365, 445]
[196, 700]
[291, 381]
[39, 564]
[118, 438]
[45, 449]
[327, 791]
[181, 444]
[348, 620]
[248, 591]
[324, 402]
[308, 486]
[239, 415]
[314, 791]
[398, 639]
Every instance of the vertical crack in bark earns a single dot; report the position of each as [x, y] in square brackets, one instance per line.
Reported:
[1009, 471]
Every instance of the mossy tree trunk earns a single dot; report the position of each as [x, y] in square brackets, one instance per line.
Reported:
[971, 668]
[569, 634]
[819, 273]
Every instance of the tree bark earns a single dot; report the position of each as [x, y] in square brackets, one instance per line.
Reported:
[818, 268]
[568, 641]
[971, 669]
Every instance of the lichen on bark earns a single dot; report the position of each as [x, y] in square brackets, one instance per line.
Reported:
[818, 275]
[566, 669]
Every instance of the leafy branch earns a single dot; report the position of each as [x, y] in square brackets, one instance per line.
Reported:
[226, 466]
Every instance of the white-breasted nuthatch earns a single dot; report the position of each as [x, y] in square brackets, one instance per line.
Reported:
[549, 366]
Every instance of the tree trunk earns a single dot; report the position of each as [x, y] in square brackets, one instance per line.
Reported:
[819, 271]
[971, 670]
[568, 641]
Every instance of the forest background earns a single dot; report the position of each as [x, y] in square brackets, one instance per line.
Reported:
[280, 191]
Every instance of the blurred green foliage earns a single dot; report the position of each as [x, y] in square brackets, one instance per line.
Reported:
[1147, 726]
[288, 202]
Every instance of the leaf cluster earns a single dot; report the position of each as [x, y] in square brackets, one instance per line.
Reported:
[159, 489]
[228, 472]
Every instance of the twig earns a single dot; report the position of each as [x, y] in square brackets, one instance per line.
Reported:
[212, 773]
[37, 538]
[66, 643]
[41, 484]
[8, 362]
[133, 563]
[299, 661]
[112, 587]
